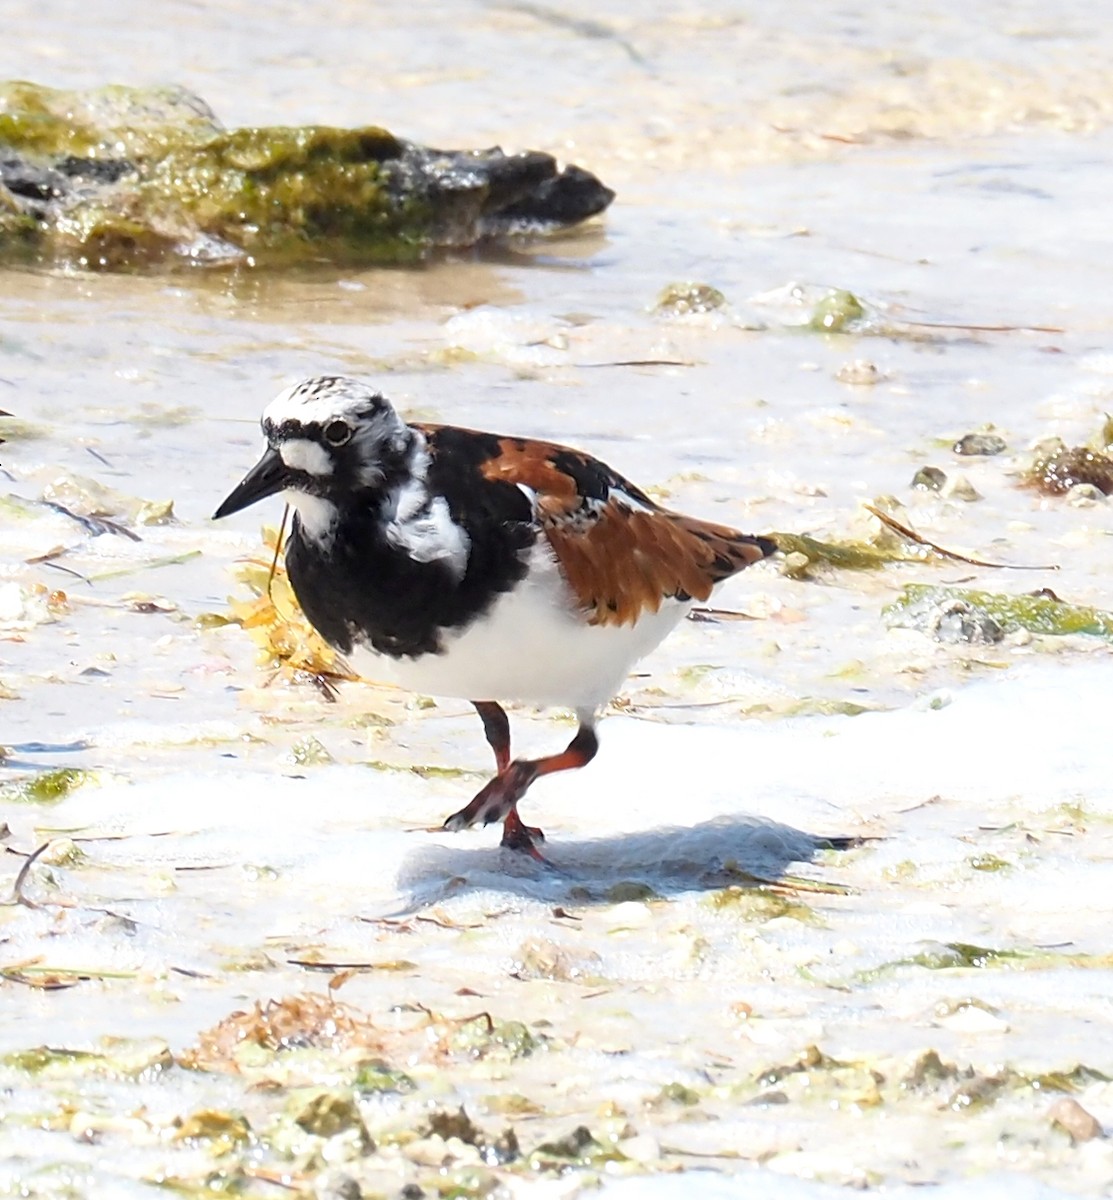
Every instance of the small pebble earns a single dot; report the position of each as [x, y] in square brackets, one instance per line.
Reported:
[338, 1186]
[1085, 495]
[960, 488]
[1074, 1120]
[960, 622]
[929, 479]
[859, 373]
[683, 299]
[980, 443]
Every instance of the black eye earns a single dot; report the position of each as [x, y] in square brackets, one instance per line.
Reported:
[337, 433]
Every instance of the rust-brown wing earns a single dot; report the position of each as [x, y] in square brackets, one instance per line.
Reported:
[620, 553]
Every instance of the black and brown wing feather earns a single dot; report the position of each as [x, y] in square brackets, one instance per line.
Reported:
[620, 553]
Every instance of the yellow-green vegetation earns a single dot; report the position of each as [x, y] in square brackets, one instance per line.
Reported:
[894, 542]
[803, 553]
[274, 620]
[123, 178]
[118, 1058]
[688, 298]
[47, 787]
[758, 905]
[1038, 612]
[836, 312]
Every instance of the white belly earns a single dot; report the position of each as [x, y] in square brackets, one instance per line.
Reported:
[531, 646]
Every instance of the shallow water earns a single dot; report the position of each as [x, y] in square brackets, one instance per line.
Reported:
[953, 175]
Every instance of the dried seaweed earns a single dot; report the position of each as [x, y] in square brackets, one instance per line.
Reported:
[296, 1022]
[274, 620]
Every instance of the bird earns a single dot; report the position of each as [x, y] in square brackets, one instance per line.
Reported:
[487, 567]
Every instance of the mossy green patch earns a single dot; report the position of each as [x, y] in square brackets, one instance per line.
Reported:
[47, 787]
[1038, 612]
[758, 905]
[482, 1037]
[836, 312]
[687, 298]
[377, 1076]
[802, 553]
[118, 1058]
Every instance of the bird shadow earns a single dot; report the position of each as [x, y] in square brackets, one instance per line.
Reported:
[663, 862]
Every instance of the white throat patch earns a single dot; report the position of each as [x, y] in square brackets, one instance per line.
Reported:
[318, 518]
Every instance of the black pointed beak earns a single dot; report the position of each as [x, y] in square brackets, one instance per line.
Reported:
[269, 475]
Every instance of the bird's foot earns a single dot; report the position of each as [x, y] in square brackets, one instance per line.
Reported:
[520, 837]
[496, 801]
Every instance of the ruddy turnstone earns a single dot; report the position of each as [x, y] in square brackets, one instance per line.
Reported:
[460, 563]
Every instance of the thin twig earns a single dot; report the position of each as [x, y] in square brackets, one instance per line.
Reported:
[712, 614]
[94, 525]
[913, 536]
[17, 888]
[638, 362]
[277, 551]
[308, 964]
[984, 328]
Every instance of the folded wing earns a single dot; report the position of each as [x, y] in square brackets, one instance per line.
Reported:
[621, 554]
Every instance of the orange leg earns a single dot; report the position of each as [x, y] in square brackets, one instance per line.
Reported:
[499, 799]
[497, 728]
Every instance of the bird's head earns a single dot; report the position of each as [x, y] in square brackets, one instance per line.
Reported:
[328, 438]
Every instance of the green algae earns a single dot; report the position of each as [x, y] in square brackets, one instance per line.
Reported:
[674, 1094]
[580, 1147]
[377, 1077]
[836, 312]
[802, 553]
[328, 1114]
[687, 298]
[757, 905]
[481, 1037]
[119, 1058]
[43, 1059]
[988, 863]
[222, 1131]
[138, 123]
[423, 770]
[1038, 613]
[309, 752]
[952, 956]
[48, 787]
[283, 193]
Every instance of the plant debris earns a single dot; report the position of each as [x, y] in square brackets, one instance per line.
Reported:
[274, 619]
[294, 1023]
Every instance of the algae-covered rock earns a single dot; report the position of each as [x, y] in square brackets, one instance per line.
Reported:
[125, 178]
[943, 612]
